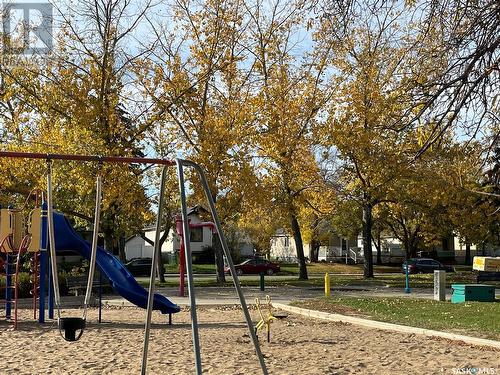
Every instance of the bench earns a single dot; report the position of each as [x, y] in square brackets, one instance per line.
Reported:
[488, 276]
[76, 284]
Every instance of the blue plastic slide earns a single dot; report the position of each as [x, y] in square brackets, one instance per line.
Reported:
[120, 278]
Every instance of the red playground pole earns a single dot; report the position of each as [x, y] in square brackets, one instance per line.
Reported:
[182, 255]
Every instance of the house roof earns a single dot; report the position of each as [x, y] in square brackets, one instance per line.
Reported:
[195, 210]
[131, 237]
[281, 232]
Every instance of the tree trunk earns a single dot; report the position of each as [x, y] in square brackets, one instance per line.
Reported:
[315, 244]
[367, 241]
[297, 236]
[109, 243]
[413, 250]
[379, 249]
[121, 249]
[218, 251]
[160, 266]
[314, 250]
[219, 258]
[467, 253]
[406, 246]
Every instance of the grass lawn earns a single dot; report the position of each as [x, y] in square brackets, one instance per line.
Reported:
[293, 268]
[479, 319]
[197, 268]
[322, 268]
[342, 279]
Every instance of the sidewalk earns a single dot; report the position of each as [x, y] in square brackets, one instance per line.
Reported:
[281, 294]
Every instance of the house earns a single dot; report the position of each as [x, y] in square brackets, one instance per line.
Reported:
[332, 248]
[201, 239]
[338, 248]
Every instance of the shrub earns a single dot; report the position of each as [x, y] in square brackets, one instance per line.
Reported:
[25, 285]
[206, 256]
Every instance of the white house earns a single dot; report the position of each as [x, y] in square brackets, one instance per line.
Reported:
[201, 238]
[340, 249]
[283, 247]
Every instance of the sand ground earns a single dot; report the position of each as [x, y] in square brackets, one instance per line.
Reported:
[298, 346]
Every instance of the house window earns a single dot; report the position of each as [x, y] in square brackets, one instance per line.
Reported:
[287, 241]
[196, 234]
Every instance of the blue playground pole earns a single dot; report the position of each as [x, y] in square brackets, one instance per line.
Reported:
[45, 271]
[43, 282]
[407, 278]
[43, 265]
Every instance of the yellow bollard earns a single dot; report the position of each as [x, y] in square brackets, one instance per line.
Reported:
[327, 285]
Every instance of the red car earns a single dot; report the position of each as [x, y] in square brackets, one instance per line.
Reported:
[255, 266]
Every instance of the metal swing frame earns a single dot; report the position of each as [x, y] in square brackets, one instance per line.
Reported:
[181, 164]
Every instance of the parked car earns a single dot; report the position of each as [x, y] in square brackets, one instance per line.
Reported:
[255, 266]
[139, 266]
[425, 265]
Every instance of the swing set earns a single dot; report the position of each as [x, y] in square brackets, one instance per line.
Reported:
[72, 328]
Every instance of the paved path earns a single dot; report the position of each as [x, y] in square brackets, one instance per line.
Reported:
[282, 294]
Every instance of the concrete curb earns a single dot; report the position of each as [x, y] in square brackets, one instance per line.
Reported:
[387, 326]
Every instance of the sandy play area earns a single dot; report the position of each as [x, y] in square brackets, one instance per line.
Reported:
[299, 346]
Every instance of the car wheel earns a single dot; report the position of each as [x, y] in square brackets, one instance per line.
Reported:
[239, 272]
[270, 271]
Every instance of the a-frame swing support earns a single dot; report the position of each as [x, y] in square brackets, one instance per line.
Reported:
[189, 267]
[180, 163]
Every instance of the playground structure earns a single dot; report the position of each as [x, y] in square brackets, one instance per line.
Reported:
[23, 235]
[53, 239]
[19, 236]
[182, 259]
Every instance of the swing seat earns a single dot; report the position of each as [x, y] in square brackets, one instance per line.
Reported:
[70, 326]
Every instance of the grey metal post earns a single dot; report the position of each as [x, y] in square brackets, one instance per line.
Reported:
[52, 240]
[189, 268]
[439, 285]
[154, 261]
[227, 253]
[97, 216]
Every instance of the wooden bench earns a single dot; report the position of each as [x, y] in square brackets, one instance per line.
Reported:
[76, 284]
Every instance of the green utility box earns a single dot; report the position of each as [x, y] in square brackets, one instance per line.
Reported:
[472, 292]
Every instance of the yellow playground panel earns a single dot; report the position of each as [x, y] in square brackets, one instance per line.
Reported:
[13, 225]
[34, 229]
[487, 264]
